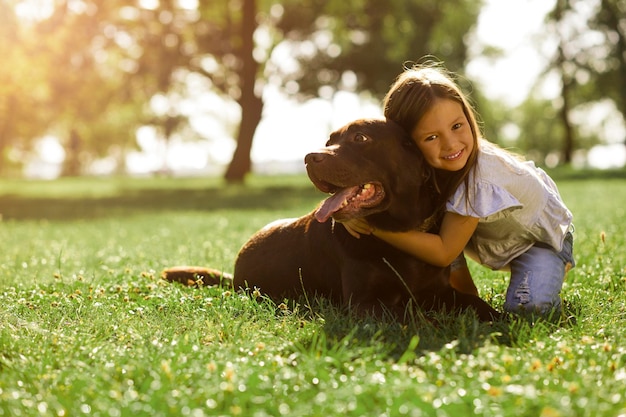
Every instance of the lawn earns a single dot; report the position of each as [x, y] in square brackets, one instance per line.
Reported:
[88, 328]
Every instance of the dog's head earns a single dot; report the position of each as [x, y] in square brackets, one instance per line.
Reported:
[372, 168]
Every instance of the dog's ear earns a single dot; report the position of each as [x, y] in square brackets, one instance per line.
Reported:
[409, 144]
[403, 135]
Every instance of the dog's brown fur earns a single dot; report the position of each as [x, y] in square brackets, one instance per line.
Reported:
[314, 255]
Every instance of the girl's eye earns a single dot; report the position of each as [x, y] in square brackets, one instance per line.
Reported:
[456, 126]
[430, 138]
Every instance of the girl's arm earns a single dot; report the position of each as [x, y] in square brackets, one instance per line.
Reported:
[436, 249]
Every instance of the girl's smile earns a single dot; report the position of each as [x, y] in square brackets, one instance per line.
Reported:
[453, 156]
[444, 135]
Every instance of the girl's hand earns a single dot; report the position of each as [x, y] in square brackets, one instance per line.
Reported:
[358, 227]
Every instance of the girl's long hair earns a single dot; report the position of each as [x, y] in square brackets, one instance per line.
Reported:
[414, 93]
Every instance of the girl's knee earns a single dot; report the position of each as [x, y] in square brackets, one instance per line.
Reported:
[536, 281]
[535, 295]
[539, 309]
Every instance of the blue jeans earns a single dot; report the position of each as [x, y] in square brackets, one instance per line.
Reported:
[537, 277]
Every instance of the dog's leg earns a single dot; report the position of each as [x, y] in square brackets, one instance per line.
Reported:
[451, 299]
[197, 276]
[483, 310]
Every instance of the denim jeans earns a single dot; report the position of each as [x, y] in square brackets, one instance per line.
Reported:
[537, 277]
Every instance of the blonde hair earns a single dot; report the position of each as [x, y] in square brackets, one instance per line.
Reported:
[414, 92]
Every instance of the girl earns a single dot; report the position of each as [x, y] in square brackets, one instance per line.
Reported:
[503, 212]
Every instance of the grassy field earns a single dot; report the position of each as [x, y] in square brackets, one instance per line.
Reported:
[88, 328]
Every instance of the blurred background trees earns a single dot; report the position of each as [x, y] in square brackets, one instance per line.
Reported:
[93, 73]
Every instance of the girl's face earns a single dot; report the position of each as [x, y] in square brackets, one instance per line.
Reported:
[444, 136]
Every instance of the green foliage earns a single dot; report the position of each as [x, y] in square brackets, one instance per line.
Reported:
[610, 70]
[64, 77]
[22, 86]
[589, 61]
[373, 40]
[87, 326]
[87, 71]
[539, 134]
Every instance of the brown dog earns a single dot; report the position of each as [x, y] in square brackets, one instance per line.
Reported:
[372, 169]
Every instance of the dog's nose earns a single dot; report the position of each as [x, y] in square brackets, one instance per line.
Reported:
[321, 154]
[314, 157]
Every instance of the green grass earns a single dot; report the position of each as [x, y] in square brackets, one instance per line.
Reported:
[88, 328]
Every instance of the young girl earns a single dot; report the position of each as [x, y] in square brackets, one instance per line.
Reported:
[502, 211]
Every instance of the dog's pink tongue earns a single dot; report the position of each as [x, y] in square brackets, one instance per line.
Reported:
[333, 203]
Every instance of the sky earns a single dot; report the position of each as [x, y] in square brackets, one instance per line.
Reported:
[296, 129]
[510, 25]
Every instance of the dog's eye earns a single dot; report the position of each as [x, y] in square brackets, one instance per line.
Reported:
[360, 137]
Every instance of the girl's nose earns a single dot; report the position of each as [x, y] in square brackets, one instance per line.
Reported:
[446, 142]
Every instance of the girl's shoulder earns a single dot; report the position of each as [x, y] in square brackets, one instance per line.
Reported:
[494, 161]
[482, 198]
[491, 184]
[501, 180]
[490, 150]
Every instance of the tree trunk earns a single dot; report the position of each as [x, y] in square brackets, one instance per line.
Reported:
[612, 21]
[251, 104]
[567, 82]
[7, 110]
[72, 163]
[568, 137]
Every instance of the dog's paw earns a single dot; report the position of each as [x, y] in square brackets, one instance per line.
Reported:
[195, 276]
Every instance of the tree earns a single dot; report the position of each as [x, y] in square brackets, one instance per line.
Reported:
[62, 80]
[353, 45]
[590, 59]
[22, 87]
[216, 40]
[250, 98]
[362, 45]
[103, 61]
[610, 20]
[86, 88]
[567, 74]
[161, 42]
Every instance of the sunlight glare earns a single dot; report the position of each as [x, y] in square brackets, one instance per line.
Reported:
[30, 10]
[510, 26]
[149, 4]
[607, 156]
[188, 4]
[50, 150]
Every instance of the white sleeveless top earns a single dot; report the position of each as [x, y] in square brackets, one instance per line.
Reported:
[517, 203]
